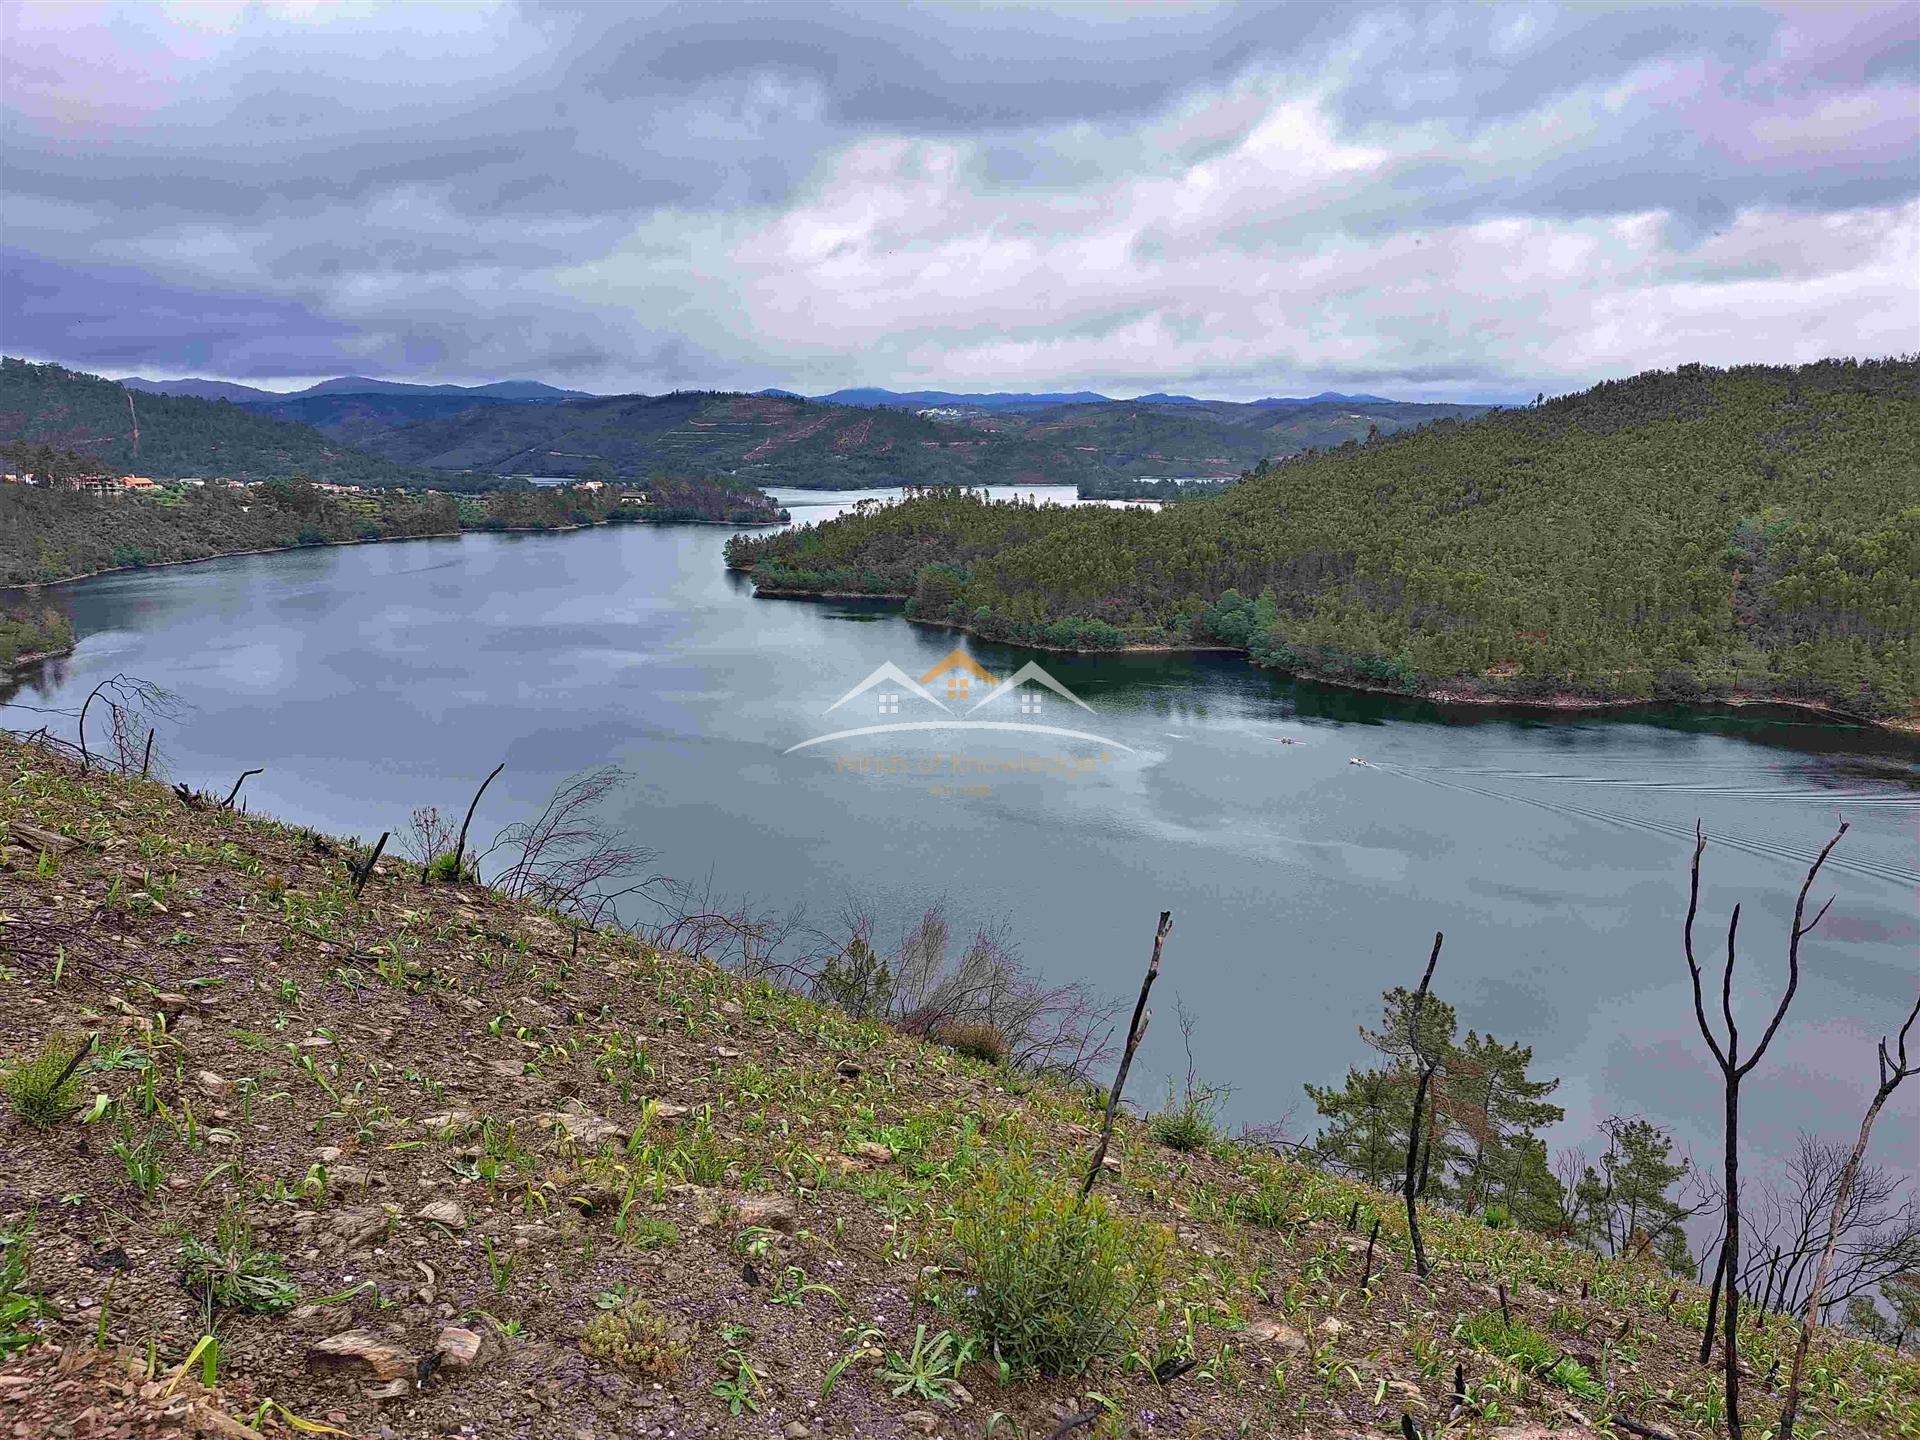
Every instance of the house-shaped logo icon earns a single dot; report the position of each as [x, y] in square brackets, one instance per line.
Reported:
[948, 685]
[958, 671]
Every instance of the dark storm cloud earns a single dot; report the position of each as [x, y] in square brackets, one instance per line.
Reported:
[112, 319]
[811, 195]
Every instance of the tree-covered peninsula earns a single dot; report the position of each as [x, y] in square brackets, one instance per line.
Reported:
[1683, 535]
[53, 532]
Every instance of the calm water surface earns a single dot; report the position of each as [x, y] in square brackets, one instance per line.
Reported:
[371, 679]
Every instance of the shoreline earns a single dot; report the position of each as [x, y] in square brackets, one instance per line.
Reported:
[365, 540]
[1559, 704]
[224, 555]
[22, 662]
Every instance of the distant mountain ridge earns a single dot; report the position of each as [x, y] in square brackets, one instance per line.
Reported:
[1025, 400]
[933, 399]
[846, 440]
[349, 385]
[198, 389]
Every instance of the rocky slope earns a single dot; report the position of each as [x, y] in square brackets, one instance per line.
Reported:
[470, 1136]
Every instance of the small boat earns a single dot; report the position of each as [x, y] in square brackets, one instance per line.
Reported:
[1355, 760]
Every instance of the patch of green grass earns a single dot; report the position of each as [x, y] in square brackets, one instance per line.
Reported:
[1187, 1122]
[647, 1232]
[17, 1307]
[1052, 1281]
[1522, 1345]
[46, 1089]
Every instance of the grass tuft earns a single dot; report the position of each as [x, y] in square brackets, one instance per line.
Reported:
[1188, 1122]
[977, 1040]
[46, 1089]
[1522, 1345]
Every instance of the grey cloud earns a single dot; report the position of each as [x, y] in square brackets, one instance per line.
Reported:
[600, 193]
[112, 318]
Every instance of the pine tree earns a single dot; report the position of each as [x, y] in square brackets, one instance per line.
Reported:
[1368, 1117]
[1497, 1107]
[1366, 1133]
[1624, 1204]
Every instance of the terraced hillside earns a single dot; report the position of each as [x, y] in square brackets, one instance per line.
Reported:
[429, 1162]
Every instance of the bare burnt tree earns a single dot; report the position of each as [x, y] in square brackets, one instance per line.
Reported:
[234, 793]
[362, 872]
[1136, 1031]
[1894, 1067]
[132, 706]
[1733, 1070]
[460, 840]
[570, 858]
[736, 931]
[1427, 1058]
[1875, 1230]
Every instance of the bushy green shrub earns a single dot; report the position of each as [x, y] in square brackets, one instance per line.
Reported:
[45, 1089]
[1052, 1281]
[446, 869]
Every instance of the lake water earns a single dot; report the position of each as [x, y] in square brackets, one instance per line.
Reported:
[1552, 852]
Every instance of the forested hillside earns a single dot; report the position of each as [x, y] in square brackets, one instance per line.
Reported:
[764, 439]
[179, 435]
[356, 419]
[1182, 438]
[775, 439]
[49, 534]
[1679, 534]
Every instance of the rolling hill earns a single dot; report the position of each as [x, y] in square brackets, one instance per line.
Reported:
[854, 439]
[168, 436]
[355, 417]
[1181, 438]
[1690, 534]
[765, 439]
[778, 439]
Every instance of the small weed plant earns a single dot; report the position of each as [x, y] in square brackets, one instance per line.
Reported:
[232, 1274]
[638, 1337]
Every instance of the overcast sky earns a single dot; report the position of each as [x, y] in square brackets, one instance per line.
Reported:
[1426, 201]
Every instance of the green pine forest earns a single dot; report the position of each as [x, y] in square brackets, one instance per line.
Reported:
[51, 408]
[1681, 535]
[49, 533]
